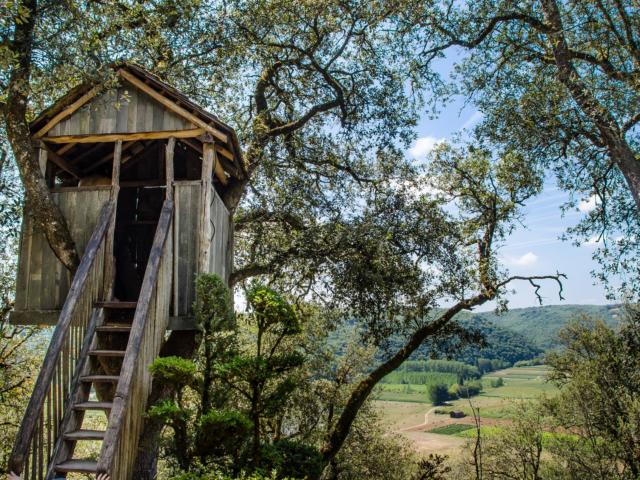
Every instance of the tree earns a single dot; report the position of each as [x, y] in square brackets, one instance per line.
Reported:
[487, 193]
[599, 383]
[263, 374]
[207, 429]
[590, 429]
[438, 393]
[557, 82]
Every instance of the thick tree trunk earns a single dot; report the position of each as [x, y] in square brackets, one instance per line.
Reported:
[181, 344]
[361, 392]
[42, 208]
[620, 152]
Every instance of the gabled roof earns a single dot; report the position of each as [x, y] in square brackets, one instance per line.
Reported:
[140, 78]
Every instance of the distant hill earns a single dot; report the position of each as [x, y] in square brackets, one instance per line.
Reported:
[500, 344]
[540, 325]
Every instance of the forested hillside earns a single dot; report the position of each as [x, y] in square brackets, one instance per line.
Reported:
[541, 325]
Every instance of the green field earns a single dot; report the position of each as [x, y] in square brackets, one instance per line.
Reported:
[520, 383]
[453, 429]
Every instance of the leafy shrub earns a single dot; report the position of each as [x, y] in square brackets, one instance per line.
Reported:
[292, 459]
[464, 391]
[174, 371]
[438, 393]
[497, 382]
[221, 431]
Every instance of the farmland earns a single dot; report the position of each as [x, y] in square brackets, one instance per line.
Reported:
[406, 409]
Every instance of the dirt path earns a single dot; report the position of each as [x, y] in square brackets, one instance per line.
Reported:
[420, 426]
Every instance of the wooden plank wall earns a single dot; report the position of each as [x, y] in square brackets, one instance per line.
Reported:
[121, 110]
[42, 282]
[220, 237]
[186, 227]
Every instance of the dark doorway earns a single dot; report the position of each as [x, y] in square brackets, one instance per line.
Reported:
[136, 221]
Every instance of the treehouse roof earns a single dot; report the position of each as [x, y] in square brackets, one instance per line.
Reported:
[141, 108]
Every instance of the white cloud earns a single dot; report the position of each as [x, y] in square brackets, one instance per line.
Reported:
[586, 206]
[472, 120]
[423, 146]
[525, 260]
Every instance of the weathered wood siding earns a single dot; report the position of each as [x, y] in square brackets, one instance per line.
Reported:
[186, 228]
[42, 282]
[120, 110]
[219, 241]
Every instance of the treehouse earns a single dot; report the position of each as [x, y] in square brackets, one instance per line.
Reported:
[138, 172]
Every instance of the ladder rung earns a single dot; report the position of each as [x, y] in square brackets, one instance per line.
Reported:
[82, 466]
[117, 305]
[114, 328]
[100, 378]
[84, 435]
[107, 353]
[93, 406]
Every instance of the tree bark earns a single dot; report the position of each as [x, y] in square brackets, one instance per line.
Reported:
[182, 344]
[612, 135]
[42, 208]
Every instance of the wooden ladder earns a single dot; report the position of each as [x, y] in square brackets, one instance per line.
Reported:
[98, 360]
[100, 376]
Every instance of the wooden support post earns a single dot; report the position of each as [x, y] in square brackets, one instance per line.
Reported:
[110, 259]
[204, 231]
[168, 167]
[42, 159]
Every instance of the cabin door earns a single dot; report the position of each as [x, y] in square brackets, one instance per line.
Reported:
[136, 221]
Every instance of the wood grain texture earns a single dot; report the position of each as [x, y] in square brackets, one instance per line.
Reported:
[68, 111]
[117, 111]
[34, 446]
[172, 106]
[147, 334]
[125, 137]
[43, 280]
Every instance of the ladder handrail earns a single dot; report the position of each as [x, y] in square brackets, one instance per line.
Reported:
[74, 300]
[146, 324]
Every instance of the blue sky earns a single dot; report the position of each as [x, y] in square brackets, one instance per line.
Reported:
[536, 248]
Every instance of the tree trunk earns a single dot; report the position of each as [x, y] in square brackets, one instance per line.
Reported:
[361, 392]
[612, 135]
[42, 208]
[181, 344]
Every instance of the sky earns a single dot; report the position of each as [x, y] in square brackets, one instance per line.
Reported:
[534, 249]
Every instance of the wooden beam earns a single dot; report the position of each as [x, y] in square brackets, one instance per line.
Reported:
[219, 148]
[219, 170]
[125, 146]
[59, 161]
[125, 137]
[109, 258]
[168, 165]
[65, 149]
[68, 111]
[133, 80]
[204, 230]
[115, 170]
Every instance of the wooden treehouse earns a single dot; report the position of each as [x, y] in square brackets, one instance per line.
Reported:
[138, 172]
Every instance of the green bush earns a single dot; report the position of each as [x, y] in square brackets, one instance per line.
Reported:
[464, 391]
[438, 393]
[497, 382]
[221, 431]
[174, 371]
[292, 459]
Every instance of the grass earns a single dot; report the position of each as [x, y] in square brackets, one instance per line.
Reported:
[453, 429]
[520, 383]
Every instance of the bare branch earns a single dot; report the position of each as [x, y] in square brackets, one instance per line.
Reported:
[558, 277]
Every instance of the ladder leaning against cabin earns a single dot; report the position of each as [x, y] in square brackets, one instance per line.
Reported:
[52, 423]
